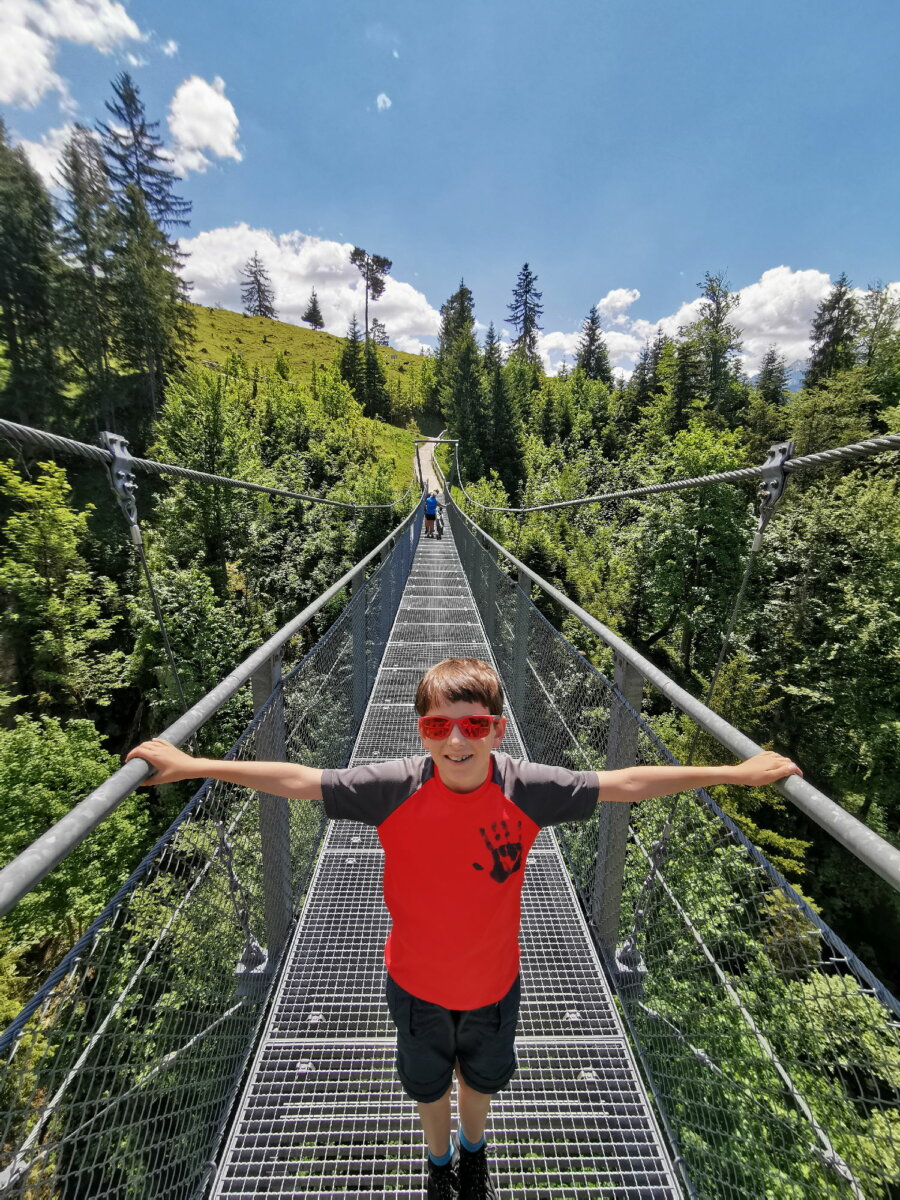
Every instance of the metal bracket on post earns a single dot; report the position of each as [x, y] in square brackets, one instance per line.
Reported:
[772, 485]
[612, 832]
[274, 811]
[121, 476]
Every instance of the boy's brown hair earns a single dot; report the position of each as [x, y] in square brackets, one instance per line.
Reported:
[454, 679]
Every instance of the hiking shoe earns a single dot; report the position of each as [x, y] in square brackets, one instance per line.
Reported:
[443, 1182]
[475, 1176]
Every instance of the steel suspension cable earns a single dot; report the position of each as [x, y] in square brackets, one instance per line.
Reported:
[823, 458]
[39, 439]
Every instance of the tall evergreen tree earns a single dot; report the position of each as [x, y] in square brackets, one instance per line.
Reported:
[376, 401]
[833, 335]
[719, 341]
[593, 356]
[373, 268]
[135, 156]
[379, 333]
[313, 314]
[689, 390]
[525, 312]
[87, 240]
[257, 294]
[506, 450]
[493, 350]
[350, 362]
[772, 380]
[28, 270]
[153, 321]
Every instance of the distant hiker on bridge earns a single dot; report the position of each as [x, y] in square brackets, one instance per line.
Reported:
[432, 504]
[456, 824]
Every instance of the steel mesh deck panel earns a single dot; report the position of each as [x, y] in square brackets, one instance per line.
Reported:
[323, 1113]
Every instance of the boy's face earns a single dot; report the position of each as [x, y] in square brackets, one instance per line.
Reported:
[462, 763]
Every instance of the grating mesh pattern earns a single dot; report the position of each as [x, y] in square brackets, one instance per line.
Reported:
[323, 1113]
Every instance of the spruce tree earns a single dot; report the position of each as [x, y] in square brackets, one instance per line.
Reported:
[28, 271]
[379, 333]
[772, 380]
[350, 362]
[592, 356]
[720, 343]
[313, 314]
[373, 268]
[493, 350]
[376, 401]
[525, 312]
[87, 239]
[257, 294]
[833, 336]
[135, 156]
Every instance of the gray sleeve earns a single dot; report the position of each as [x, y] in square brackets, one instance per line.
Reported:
[549, 795]
[371, 793]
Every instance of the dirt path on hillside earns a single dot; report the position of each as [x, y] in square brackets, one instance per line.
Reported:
[426, 458]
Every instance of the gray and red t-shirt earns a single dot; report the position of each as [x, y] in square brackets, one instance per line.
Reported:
[454, 864]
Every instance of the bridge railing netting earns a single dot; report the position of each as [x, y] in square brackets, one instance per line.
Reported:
[772, 1051]
[118, 1079]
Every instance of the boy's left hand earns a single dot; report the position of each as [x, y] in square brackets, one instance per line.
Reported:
[764, 768]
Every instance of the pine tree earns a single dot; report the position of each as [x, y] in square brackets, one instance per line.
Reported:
[833, 335]
[87, 239]
[376, 401]
[153, 321]
[772, 380]
[592, 356]
[257, 294]
[28, 270]
[493, 350]
[719, 342]
[313, 314]
[350, 363]
[379, 333]
[507, 445]
[525, 312]
[373, 268]
[135, 157]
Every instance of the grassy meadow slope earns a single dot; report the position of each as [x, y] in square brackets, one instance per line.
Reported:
[258, 340]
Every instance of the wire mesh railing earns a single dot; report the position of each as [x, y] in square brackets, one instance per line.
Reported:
[118, 1077]
[772, 1051]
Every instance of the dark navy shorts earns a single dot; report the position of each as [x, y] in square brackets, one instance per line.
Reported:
[431, 1039]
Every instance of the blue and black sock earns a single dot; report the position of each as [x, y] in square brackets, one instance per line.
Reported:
[470, 1147]
[444, 1158]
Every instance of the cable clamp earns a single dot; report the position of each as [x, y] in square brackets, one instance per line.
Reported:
[772, 485]
[121, 476]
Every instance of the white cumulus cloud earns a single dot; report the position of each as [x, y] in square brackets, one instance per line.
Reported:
[201, 118]
[777, 310]
[297, 263]
[383, 101]
[30, 31]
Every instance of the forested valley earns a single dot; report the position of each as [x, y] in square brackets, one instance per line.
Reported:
[98, 333]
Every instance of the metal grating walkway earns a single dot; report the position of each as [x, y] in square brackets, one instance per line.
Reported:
[323, 1113]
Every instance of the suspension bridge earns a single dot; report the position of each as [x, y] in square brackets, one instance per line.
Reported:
[689, 1027]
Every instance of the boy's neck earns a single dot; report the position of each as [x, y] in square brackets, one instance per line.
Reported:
[464, 791]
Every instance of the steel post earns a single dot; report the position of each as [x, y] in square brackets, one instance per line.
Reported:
[274, 811]
[360, 671]
[612, 833]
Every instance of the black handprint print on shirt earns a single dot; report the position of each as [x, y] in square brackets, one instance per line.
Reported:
[506, 854]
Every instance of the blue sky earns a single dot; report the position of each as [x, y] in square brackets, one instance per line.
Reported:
[621, 147]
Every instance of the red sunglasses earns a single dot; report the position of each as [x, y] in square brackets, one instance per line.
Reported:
[438, 728]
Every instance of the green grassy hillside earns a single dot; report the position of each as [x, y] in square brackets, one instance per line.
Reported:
[258, 340]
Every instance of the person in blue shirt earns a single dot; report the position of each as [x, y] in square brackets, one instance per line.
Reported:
[432, 504]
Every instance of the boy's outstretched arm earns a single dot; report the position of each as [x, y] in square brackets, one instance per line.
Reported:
[279, 779]
[644, 783]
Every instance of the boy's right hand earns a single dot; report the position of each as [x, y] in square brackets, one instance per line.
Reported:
[169, 764]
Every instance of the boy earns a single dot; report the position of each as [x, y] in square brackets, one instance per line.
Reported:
[432, 504]
[456, 825]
